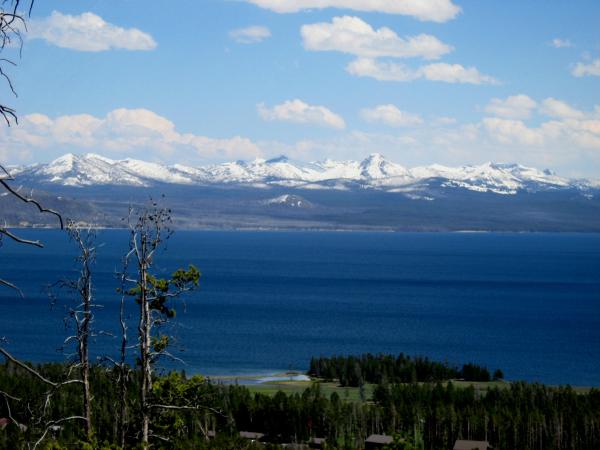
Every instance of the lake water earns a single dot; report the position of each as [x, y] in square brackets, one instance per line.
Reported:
[526, 303]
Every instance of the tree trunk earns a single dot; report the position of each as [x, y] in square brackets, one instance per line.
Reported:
[123, 376]
[145, 345]
[83, 336]
[85, 365]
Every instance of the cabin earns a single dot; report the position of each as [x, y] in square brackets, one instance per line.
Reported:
[5, 421]
[316, 442]
[251, 436]
[376, 441]
[471, 445]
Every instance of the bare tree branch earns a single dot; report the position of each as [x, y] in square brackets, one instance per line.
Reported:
[34, 372]
[188, 408]
[54, 423]
[32, 201]
[10, 285]
[20, 240]
[11, 24]
[7, 175]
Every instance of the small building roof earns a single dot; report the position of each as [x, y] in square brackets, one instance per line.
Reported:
[380, 439]
[251, 435]
[317, 442]
[461, 444]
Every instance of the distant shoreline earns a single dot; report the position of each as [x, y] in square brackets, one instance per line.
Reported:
[280, 378]
[328, 230]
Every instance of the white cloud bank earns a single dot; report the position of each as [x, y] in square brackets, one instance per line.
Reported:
[567, 127]
[298, 111]
[587, 69]
[391, 71]
[391, 115]
[122, 132]
[87, 32]
[560, 137]
[355, 36]
[514, 107]
[550, 134]
[426, 10]
[556, 108]
[250, 35]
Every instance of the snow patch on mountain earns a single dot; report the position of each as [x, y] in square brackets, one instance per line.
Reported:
[289, 200]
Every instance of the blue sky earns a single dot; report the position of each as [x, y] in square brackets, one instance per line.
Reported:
[421, 81]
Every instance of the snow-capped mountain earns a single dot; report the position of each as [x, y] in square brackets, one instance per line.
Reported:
[279, 193]
[374, 172]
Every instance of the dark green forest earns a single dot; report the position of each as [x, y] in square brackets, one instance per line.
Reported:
[433, 415]
[368, 368]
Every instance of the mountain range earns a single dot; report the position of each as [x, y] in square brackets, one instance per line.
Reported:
[374, 172]
[280, 193]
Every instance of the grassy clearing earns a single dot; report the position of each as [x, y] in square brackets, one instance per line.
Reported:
[351, 393]
[327, 388]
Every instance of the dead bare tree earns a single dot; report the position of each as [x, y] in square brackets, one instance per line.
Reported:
[123, 369]
[81, 315]
[148, 233]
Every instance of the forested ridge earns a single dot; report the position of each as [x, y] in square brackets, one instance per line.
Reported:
[433, 415]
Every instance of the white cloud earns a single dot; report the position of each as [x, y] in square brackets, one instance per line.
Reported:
[556, 108]
[561, 43]
[382, 71]
[87, 32]
[355, 36]
[514, 107]
[390, 71]
[121, 132]
[569, 128]
[391, 115]
[587, 69]
[429, 10]
[250, 35]
[300, 112]
[508, 131]
[455, 73]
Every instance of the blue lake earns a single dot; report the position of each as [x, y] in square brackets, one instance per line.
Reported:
[526, 303]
